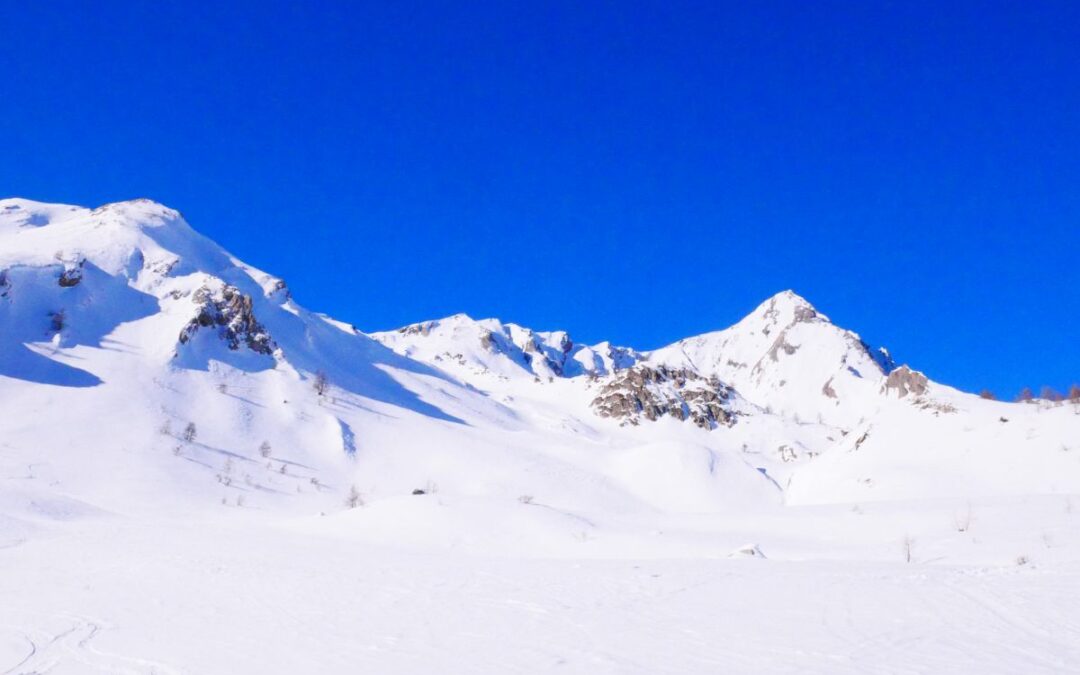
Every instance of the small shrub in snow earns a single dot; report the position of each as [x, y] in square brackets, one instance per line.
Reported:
[223, 388]
[354, 499]
[321, 383]
[908, 547]
[189, 432]
[1051, 394]
[166, 428]
[526, 499]
[264, 449]
[1022, 560]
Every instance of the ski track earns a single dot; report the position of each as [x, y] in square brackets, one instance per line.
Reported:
[72, 651]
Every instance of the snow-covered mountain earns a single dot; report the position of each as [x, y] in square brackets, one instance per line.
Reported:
[122, 328]
[178, 432]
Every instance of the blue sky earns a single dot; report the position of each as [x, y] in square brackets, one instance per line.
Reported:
[638, 172]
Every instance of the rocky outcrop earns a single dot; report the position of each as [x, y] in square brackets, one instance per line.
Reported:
[230, 312]
[423, 328]
[71, 276]
[652, 392]
[904, 381]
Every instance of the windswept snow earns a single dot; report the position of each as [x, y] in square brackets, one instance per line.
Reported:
[199, 475]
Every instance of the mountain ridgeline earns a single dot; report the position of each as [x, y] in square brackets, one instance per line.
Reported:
[124, 317]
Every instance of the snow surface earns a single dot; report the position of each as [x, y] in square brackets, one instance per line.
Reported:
[175, 494]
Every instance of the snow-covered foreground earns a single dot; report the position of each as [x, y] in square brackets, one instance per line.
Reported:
[199, 475]
[239, 595]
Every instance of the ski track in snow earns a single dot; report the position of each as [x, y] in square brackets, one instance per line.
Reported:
[72, 651]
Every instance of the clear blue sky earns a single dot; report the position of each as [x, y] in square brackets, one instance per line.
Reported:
[638, 172]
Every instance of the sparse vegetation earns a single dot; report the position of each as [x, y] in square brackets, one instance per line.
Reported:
[321, 383]
[908, 545]
[264, 449]
[526, 499]
[1025, 395]
[1050, 394]
[988, 395]
[190, 432]
[354, 499]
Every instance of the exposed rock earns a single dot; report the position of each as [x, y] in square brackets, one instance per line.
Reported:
[828, 390]
[231, 312]
[71, 276]
[905, 381]
[566, 344]
[280, 290]
[781, 343]
[423, 328]
[805, 313]
[652, 392]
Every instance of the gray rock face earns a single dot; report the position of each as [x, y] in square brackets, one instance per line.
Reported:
[423, 328]
[71, 276]
[651, 392]
[231, 313]
[905, 381]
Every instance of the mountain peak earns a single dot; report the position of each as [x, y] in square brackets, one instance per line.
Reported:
[782, 310]
[788, 307]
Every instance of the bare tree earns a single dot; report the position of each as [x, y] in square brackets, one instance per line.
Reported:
[321, 383]
[988, 395]
[909, 545]
[1050, 394]
[189, 432]
[1074, 393]
[354, 498]
[1025, 395]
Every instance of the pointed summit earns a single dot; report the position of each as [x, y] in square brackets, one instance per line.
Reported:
[785, 309]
